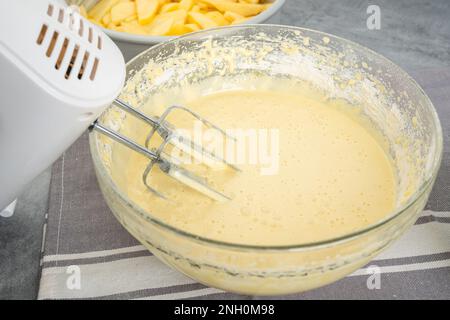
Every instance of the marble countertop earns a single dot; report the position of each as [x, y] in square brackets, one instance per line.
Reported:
[415, 34]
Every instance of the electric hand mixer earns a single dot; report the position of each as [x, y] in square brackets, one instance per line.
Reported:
[58, 74]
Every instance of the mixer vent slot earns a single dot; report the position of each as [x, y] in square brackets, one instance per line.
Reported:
[90, 34]
[94, 69]
[99, 43]
[81, 28]
[50, 10]
[72, 61]
[52, 44]
[62, 54]
[41, 35]
[61, 16]
[72, 25]
[83, 65]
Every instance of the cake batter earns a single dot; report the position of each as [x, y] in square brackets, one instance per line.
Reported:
[333, 175]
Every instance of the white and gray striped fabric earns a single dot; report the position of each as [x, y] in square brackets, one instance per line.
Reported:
[81, 232]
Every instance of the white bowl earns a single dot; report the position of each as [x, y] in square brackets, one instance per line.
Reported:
[133, 44]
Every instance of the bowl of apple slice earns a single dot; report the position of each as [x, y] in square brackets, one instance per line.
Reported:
[137, 24]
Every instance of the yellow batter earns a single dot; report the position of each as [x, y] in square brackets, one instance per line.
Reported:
[334, 177]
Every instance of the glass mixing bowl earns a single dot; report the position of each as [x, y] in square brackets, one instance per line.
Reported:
[396, 106]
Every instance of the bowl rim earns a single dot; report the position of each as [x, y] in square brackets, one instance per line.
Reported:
[145, 40]
[100, 169]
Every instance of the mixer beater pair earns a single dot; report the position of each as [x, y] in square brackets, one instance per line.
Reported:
[170, 136]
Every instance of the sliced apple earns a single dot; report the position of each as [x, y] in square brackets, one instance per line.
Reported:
[134, 27]
[178, 16]
[131, 18]
[193, 27]
[186, 4]
[218, 18]
[83, 11]
[106, 19]
[232, 16]
[146, 10]
[122, 11]
[178, 29]
[101, 8]
[250, 1]
[168, 7]
[244, 9]
[162, 28]
[202, 20]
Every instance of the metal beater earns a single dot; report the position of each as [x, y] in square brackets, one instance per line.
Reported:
[158, 156]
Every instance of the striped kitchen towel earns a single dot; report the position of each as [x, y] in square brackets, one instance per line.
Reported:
[82, 236]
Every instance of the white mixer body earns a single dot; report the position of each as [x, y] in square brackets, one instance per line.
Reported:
[58, 73]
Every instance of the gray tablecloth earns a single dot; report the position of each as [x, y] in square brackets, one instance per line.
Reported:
[82, 237]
